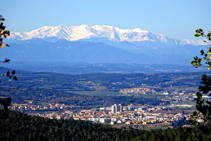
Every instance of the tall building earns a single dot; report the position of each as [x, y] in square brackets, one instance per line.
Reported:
[121, 108]
[113, 108]
[116, 108]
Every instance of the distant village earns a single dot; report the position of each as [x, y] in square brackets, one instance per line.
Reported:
[173, 96]
[137, 91]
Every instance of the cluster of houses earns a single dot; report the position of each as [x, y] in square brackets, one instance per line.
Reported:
[49, 107]
[114, 115]
[135, 115]
[164, 95]
[137, 91]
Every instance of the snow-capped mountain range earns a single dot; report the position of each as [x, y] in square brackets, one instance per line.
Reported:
[99, 44]
[98, 33]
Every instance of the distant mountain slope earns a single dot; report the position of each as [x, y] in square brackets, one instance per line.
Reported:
[37, 50]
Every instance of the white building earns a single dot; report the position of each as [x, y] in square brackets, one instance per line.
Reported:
[105, 120]
[116, 108]
[150, 117]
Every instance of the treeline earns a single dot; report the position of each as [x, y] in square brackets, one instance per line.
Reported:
[62, 97]
[54, 96]
[54, 87]
[44, 87]
[109, 100]
[109, 80]
[22, 127]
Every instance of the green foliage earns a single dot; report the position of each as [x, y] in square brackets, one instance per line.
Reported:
[4, 33]
[206, 56]
[203, 112]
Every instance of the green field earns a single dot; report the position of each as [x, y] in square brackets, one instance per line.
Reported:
[94, 93]
[187, 102]
[147, 95]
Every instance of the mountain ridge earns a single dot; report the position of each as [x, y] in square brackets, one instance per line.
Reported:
[99, 33]
[99, 44]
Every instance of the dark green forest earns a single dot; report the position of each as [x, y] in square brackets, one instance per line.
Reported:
[17, 126]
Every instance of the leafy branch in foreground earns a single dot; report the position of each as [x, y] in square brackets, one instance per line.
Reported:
[3, 34]
[205, 56]
[202, 117]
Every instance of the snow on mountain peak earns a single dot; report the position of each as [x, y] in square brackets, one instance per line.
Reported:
[83, 32]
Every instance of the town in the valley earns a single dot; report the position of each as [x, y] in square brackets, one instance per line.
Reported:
[179, 109]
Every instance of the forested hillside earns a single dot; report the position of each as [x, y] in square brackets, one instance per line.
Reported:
[19, 126]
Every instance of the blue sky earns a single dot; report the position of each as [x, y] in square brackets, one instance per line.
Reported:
[177, 19]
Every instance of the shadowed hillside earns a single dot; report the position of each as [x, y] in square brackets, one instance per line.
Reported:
[19, 126]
